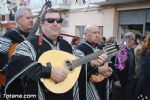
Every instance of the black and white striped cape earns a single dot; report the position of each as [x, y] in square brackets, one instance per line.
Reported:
[91, 92]
[5, 44]
[26, 49]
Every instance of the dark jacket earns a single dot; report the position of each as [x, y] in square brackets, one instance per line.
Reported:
[27, 82]
[86, 71]
[15, 36]
[129, 70]
[143, 87]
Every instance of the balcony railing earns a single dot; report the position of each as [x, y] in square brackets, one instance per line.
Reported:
[7, 18]
[62, 6]
[114, 2]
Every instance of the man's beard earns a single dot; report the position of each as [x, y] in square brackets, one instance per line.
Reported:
[55, 31]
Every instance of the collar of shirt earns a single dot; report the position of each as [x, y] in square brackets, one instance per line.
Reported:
[22, 32]
[93, 45]
[51, 40]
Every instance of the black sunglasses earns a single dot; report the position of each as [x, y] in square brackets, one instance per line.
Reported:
[52, 20]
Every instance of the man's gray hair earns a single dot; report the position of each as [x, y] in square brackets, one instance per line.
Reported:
[21, 10]
[128, 36]
[88, 28]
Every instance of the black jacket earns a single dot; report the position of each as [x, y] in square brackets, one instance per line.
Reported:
[15, 36]
[143, 87]
[27, 82]
[128, 72]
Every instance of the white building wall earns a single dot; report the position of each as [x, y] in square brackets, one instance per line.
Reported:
[108, 22]
[84, 17]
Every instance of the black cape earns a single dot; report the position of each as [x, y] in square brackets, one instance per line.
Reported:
[24, 72]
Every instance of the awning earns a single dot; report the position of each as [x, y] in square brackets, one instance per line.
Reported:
[7, 25]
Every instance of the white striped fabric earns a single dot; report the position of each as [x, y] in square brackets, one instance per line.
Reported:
[76, 92]
[5, 44]
[91, 92]
[26, 49]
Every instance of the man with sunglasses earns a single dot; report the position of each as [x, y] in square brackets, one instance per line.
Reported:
[29, 71]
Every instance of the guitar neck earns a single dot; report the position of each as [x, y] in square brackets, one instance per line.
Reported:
[37, 23]
[82, 60]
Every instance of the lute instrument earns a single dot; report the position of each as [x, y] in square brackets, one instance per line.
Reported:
[99, 77]
[70, 63]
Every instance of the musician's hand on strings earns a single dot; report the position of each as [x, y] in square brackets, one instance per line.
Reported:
[58, 74]
[100, 61]
[105, 70]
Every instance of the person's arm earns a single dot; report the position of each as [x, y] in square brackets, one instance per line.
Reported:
[100, 66]
[5, 44]
[23, 64]
[26, 68]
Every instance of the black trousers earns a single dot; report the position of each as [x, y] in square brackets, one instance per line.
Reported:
[126, 92]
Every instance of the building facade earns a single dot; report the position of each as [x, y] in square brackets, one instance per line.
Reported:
[112, 16]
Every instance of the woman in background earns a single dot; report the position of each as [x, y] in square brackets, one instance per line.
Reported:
[143, 87]
[75, 42]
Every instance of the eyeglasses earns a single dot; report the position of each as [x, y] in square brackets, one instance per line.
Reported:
[52, 20]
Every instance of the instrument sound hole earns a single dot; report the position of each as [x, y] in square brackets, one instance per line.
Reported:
[69, 65]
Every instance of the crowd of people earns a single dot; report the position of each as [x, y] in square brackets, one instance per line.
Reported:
[125, 77]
